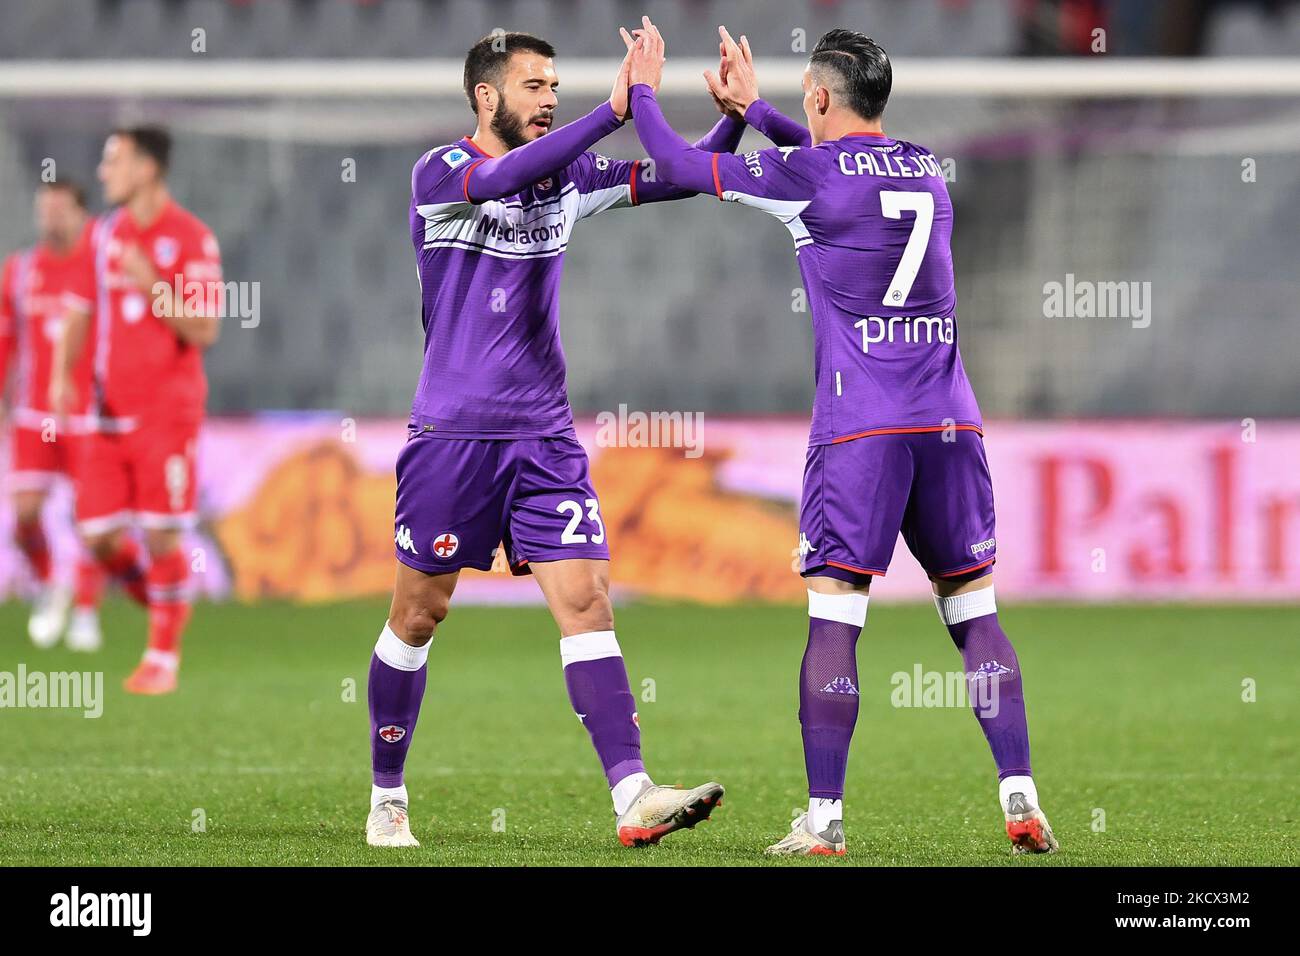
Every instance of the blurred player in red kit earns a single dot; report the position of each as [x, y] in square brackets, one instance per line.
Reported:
[32, 290]
[156, 288]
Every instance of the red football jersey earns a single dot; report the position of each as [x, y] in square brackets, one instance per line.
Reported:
[33, 292]
[141, 367]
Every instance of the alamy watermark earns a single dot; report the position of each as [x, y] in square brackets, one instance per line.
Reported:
[978, 690]
[218, 299]
[1085, 299]
[635, 429]
[73, 690]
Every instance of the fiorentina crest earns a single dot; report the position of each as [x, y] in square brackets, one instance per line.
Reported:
[392, 733]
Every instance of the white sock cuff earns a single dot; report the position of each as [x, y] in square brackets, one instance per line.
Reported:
[396, 653]
[377, 795]
[850, 608]
[963, 607]
[167, 659]
[591, 646]
[1009, 785]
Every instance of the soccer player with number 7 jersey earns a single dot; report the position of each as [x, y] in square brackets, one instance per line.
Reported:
[897, 440]
[156, 293]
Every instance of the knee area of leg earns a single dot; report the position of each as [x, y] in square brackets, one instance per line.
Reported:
[102, 547]
[160, 544]
[418, 622]
[594, 609]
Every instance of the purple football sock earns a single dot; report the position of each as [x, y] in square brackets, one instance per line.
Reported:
[828, 689]
[397, 677]
[993, 677]
[598, 689]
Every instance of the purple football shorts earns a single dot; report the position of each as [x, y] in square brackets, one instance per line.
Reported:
[858, 495]
[457, 499]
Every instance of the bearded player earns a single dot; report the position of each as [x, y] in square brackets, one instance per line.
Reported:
[491, 454]
[897, 440]
[156, 285]
[32, 290]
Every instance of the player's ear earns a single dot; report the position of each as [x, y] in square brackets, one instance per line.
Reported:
[822, 99]
[486, 94]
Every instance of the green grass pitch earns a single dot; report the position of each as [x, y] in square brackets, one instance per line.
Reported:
[1135, 713]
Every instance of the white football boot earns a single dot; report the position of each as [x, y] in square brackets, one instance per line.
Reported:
[1027, 827]
[83, 633]
[658, 811]
[389, 825]
[802, 841]
[49, 615]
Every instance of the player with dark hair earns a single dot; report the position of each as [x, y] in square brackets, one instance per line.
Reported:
[491, 454]
[897, 440]
[32, 287]
[155, 287]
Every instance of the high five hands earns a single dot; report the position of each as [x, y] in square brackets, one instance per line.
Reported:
[736, 86]
[733, 88]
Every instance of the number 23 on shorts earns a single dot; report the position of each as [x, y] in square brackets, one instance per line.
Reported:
[571, 534]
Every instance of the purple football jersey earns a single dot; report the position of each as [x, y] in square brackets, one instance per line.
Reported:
[871, 222]
[490, 291]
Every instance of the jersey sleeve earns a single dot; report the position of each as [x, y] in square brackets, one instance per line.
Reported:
[780, 180]
[79, 293]
[775, 125]
[604, 183]
[8, 318]
[602, 174]
[200, 261]
[439, 182]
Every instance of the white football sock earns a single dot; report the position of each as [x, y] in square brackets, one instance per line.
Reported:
[379, 794]
[1014, 784]
[962, 607]
[396, 653]
[170, 660]
[626, 790]
[821, 812]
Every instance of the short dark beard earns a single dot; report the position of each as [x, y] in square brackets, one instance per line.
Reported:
[508, 127]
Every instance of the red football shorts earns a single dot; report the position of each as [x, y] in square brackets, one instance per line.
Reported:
[35, 464]
[148, 476]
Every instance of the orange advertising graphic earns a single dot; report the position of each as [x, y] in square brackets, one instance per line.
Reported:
[319, 527]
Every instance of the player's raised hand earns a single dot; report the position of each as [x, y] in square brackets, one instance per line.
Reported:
[717, 83]
[647, 56]
[736, 85]
[138, 267]
[618, 97]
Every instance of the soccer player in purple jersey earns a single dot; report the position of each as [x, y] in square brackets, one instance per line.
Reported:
[491, 455]
[896, 441]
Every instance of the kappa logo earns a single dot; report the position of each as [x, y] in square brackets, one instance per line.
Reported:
[403, 539]
[786, 151]
[841, 685]
[805, 546]
[989, 669]
[455, 156]
[445, 545]
[982, 546]
[392, 733]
